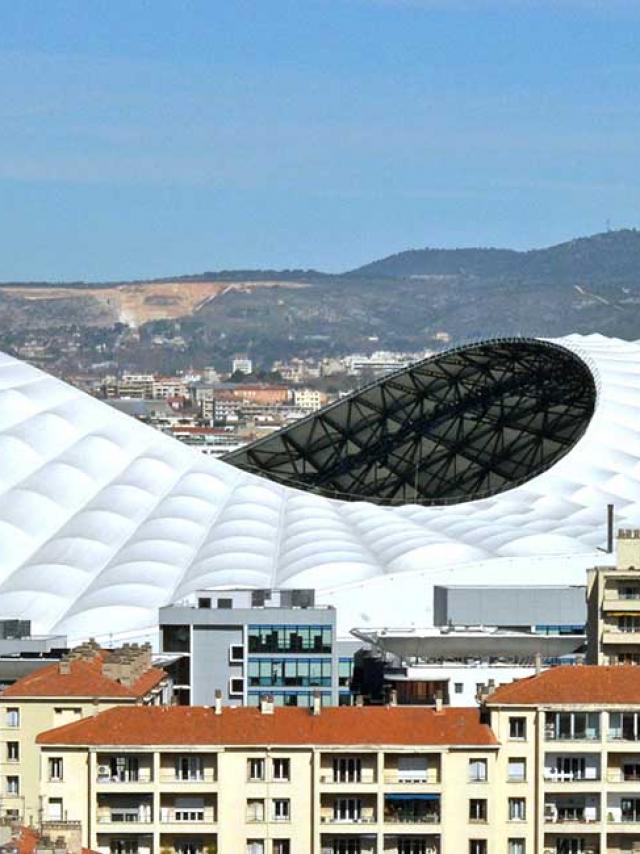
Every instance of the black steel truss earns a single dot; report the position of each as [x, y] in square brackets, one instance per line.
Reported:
[464, 424]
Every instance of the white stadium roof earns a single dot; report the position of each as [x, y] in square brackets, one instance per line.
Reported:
[103, 519]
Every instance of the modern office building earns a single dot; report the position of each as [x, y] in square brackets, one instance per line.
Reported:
[614, 605]
[248, 644]
[549, 765]
[490, 463]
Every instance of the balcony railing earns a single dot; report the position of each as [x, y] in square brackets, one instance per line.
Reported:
[553, 776]
[408, 818]
[125, 817]
[207, 775]
[430, 776]
[204, 815]
[143, 775]
[362, 819]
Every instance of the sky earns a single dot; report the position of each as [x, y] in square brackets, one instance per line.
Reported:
[158, 138]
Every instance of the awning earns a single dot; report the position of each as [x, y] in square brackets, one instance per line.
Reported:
[416, 797]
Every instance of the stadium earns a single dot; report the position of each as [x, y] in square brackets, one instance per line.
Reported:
[490, 463]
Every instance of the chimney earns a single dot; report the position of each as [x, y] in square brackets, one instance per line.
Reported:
[64, 667]
[359, 700]
[439, 703]
[266, 704]
[538, 661]
[393, 697]
[316, 705]
[217, 702]
[610, 528]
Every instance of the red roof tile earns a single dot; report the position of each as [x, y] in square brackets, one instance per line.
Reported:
[177, 725]
[580, 684]
[85, 679]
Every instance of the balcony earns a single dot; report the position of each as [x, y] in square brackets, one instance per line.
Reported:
[572, 810]
[124, 809]
[412, 809]
[411, 769]
[364, 844]
[571, 844]
[123, 770]
[421, 842]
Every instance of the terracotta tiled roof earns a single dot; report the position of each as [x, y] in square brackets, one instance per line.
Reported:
[85, 679]
[580, 684]
[176, 725]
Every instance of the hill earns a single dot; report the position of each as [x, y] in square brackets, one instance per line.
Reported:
[612, 256]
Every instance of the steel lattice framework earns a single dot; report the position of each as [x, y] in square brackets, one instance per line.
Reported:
[464, 424]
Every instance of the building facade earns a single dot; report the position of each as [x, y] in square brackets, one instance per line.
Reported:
[83, 683]
[614, 605]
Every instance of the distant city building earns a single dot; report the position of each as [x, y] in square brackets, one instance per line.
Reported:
[254, 643]
[380, 363]
[241, 364]
[309, 399]
[614, 605]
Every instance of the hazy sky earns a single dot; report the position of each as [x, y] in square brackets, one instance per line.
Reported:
[156, 138]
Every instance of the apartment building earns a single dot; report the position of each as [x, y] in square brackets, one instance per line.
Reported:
[613, 596]
[350, 780]
[569, 761]
[84, 682]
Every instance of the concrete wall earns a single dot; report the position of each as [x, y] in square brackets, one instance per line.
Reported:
[509, 606]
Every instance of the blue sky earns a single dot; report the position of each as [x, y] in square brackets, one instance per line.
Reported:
[155, 138]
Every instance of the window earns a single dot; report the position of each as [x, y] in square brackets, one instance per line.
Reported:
[458, 687]
[236, 686]
[347, 769]
[13, 751]
[624, 726]
[190, 768]
[518, 728]
[13, 717]
[281, 809]
[290, 672]
[124, 846]
[236, 653]
[516, 846]
[415, 846]
[477, 846]
[571, 846]
[204, 601]
[225, 604]
[347, 809]
[517, 770]
[255, 809]
[55, 768]
[564, 726]
[176, 639]
[290, 639]
[281, 846]
[54, 810]
[346, 846]
[477, 809]
[630, 809]
[281, 769]
[255, 769]
[517, 809]
[570, 768]
[629, 624]
[477, 770]
[255, 846]
[13, 785]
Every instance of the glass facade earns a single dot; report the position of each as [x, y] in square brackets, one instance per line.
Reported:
[266, 639]
[288, 698]
[290, 672]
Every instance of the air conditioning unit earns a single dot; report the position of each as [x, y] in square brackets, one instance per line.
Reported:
[550, 812]
[104, 771]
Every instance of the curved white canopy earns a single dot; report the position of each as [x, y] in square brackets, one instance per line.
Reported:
[103, 519]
